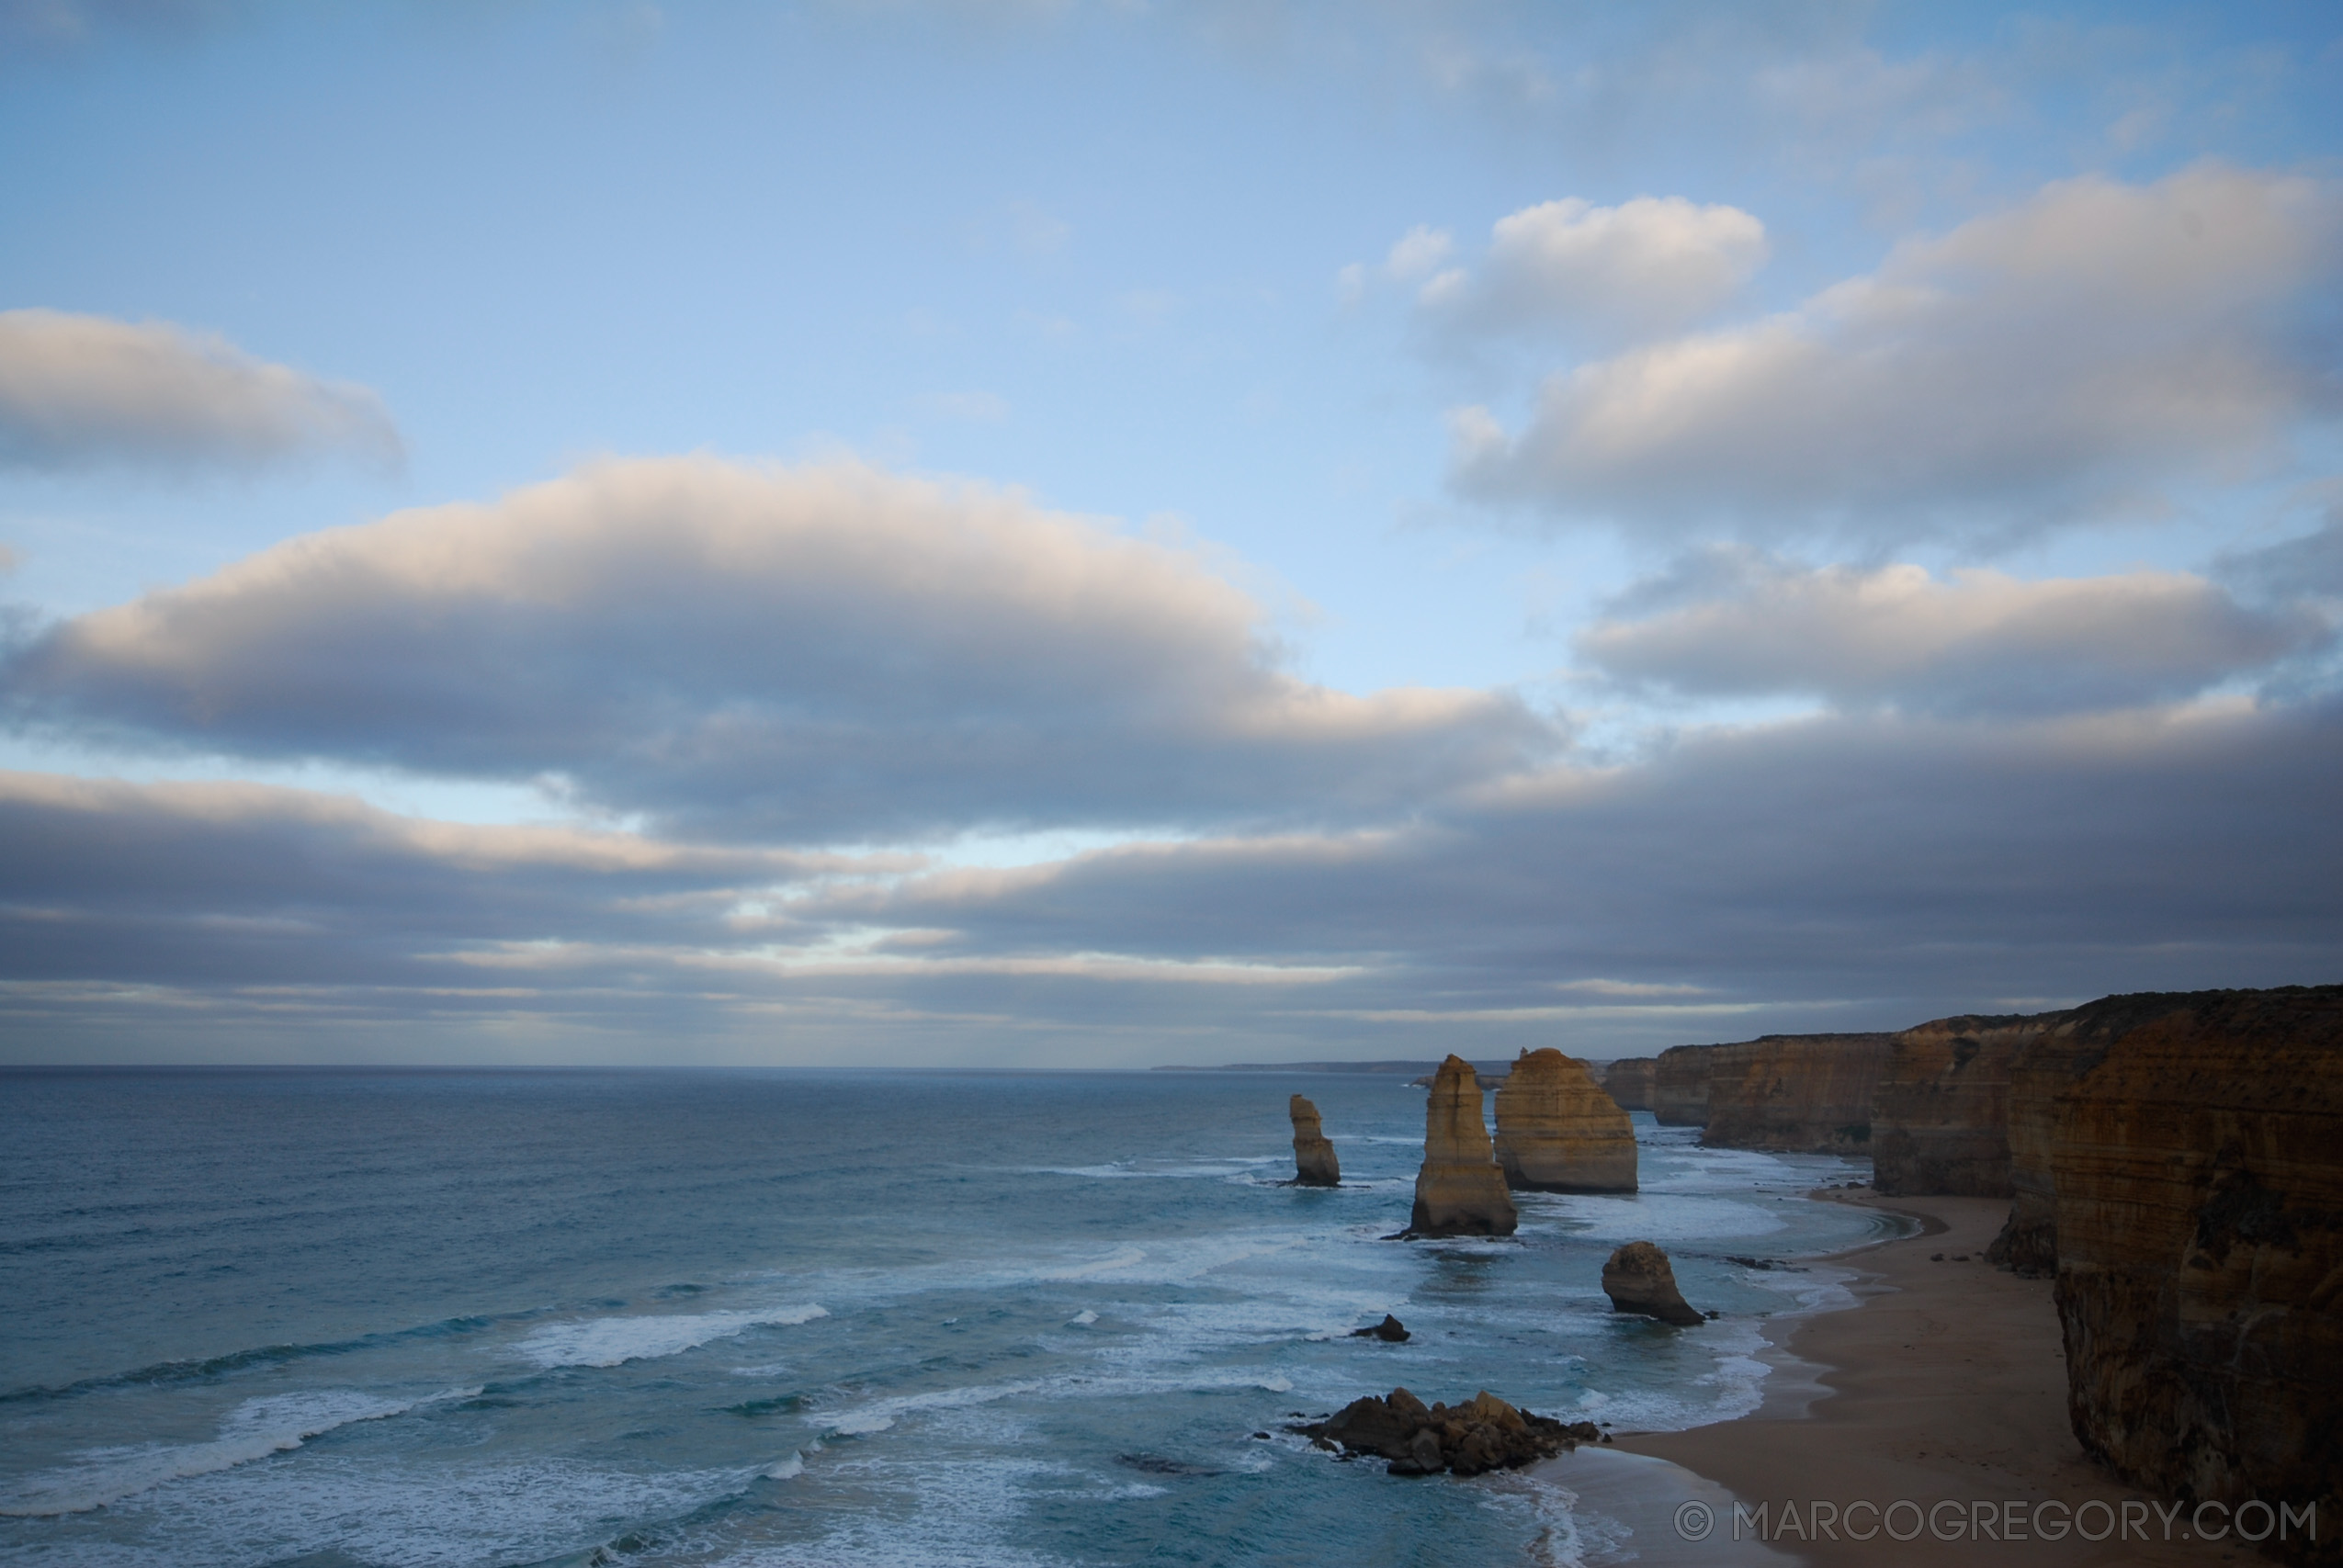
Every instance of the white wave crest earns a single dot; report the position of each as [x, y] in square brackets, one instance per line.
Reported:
[254, 1429]
[610, 1341]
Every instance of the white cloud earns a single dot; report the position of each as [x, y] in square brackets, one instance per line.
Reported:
[2084, 350]
[78, 392]
[828, 652]
[1608, 272]
[1981, 642]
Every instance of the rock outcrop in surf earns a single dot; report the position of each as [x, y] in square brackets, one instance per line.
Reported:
[1639, 1279]
[1459, 1190]
[1314, 1161]
[1558, 1132]
[1482, 1434]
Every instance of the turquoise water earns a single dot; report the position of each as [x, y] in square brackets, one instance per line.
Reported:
[332, 1319]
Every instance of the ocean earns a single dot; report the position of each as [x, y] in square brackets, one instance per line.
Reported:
[429, 1319]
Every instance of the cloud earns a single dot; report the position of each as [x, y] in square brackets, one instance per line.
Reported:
[1980, 643]
[1606, 273]
[83, 391]
[1858, 871]
[829, 653]
[2085, 350]
[1872, 870]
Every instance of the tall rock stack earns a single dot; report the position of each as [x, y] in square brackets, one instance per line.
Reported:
[1314, 1161]
[2197, 1164]
[1459, 1191]
[1558, 1132]
[1943, 1124]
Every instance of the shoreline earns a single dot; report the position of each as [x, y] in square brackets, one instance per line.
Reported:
[1944, 1384]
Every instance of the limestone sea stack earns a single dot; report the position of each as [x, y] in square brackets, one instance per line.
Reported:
[1558, 1132]
[1459, 1191]
[1638, 1277]
[1314, 1161]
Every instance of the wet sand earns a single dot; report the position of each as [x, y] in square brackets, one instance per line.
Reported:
[1946, 1385]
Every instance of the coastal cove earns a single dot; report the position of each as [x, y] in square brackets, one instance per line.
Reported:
[783, 1317]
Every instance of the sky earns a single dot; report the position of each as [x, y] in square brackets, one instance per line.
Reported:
[1115, 532]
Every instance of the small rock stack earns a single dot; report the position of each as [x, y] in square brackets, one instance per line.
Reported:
[1314, 1161]
[1638, 1277]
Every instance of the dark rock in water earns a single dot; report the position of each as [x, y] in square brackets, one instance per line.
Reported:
[1314, 1161]
[1638, 1277]
[1390, 1330]
[1482, 1434]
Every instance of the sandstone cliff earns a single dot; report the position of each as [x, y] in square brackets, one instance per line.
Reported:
[1806, 1093]
[2197, 1164]
[1679, 1085]
[1556, 1131]
[2044, 1065]
[1942, 1120]
[1628, 1082]
[1459, 1191]
[1314, 1161]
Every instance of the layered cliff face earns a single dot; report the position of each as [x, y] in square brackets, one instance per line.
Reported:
[1678, 1094]
[1942, 1120]
[1559, 1131]
[1314, 1161]
[1459, 1191]
[2043, 1066]
[2197, 1162]
[1802, 1093]
[1628, 1082]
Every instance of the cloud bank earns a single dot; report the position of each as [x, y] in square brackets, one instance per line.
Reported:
[2084, 351]
[818, 654]
[85, 391]
[1980, 643]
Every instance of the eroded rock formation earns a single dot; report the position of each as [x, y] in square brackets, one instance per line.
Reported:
[1802, 1093]
[1314, 1161]
[1638, 1277]
[1943, 1120]
[2196, 1162]
[1628, 1082]
[2044, 1065]
[1679, 1085]
[1459, 1191]
[1482, 1434]
[1558, 1132]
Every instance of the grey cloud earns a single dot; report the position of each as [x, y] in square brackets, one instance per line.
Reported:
[821, 654]
[1981, 642]
[1848, 872]
[1864, 870]
[83, 391]
[2083, 351]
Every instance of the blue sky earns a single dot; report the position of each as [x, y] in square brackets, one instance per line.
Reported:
[1118, 533]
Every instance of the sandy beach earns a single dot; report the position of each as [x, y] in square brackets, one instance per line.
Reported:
[1944, 1389]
